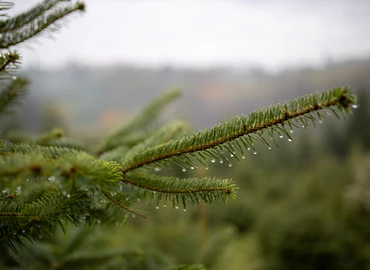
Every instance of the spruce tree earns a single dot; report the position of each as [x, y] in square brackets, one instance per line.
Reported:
[49, 181]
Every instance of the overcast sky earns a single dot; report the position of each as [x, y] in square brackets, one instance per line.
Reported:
[204, 33]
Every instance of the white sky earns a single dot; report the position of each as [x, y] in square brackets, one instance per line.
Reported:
[204, 33]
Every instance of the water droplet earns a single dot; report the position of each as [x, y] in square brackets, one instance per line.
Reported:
[165, 205]
[269, 148]
[176, 207]
[154, 192]
[320, 121]
[183, 169]
[184, 209]
[243, 157]
[52, 178]
[133, 215]
[207, 168]
[354, 106]
[248, 148]
[289, 140]
[231, 155]
[221, 161]
[157, 207]
[303, 126]
[14, 77]
[68, 195]
[281, 136]
[192, 167]
[255, 152]
[156, 169]
[291, 131]
[230, 165]
[213, 160]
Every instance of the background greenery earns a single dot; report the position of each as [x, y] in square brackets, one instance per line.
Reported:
[304, 205]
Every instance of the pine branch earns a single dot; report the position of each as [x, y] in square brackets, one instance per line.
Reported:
[5, 6]
[241, 132]
[21, 20]
[32, 24]
[52, 138]
[52, 152]
[180, 191]
[11, 94]
[115, 155]
[141, 122]
[120, 204]
[38, 218]
[8, 59]
[70, 168]
[160, 136]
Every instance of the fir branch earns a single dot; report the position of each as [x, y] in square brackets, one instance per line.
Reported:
[83, 171]
[117, 203]
[160, 136]
[11, 94]
[115, 155]
[181, 190]
[5, 6]
[52, 152]
[14, 165]
[52, 138]
[38, 24]
[8, 59]
[243, 131]
[27, 17]
[45, 138]
[141, 121]
[38, 218]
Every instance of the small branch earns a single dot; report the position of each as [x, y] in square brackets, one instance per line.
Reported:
[11, 58]
[281, 115]
[179, 191]
[121, 205]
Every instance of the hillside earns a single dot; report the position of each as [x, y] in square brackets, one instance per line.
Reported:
[98, 98]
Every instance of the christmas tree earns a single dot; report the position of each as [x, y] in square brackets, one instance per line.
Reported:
[49, 181]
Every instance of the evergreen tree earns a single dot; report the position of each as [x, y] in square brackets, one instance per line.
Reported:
[48, 181]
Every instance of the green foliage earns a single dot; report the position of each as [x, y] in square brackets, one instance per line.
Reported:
[139, 126]
[45, 16]
[241, 132]
[49, 182]
[11, 93]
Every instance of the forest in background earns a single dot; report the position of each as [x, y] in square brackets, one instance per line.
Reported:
[96, 99]
[304, 205]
